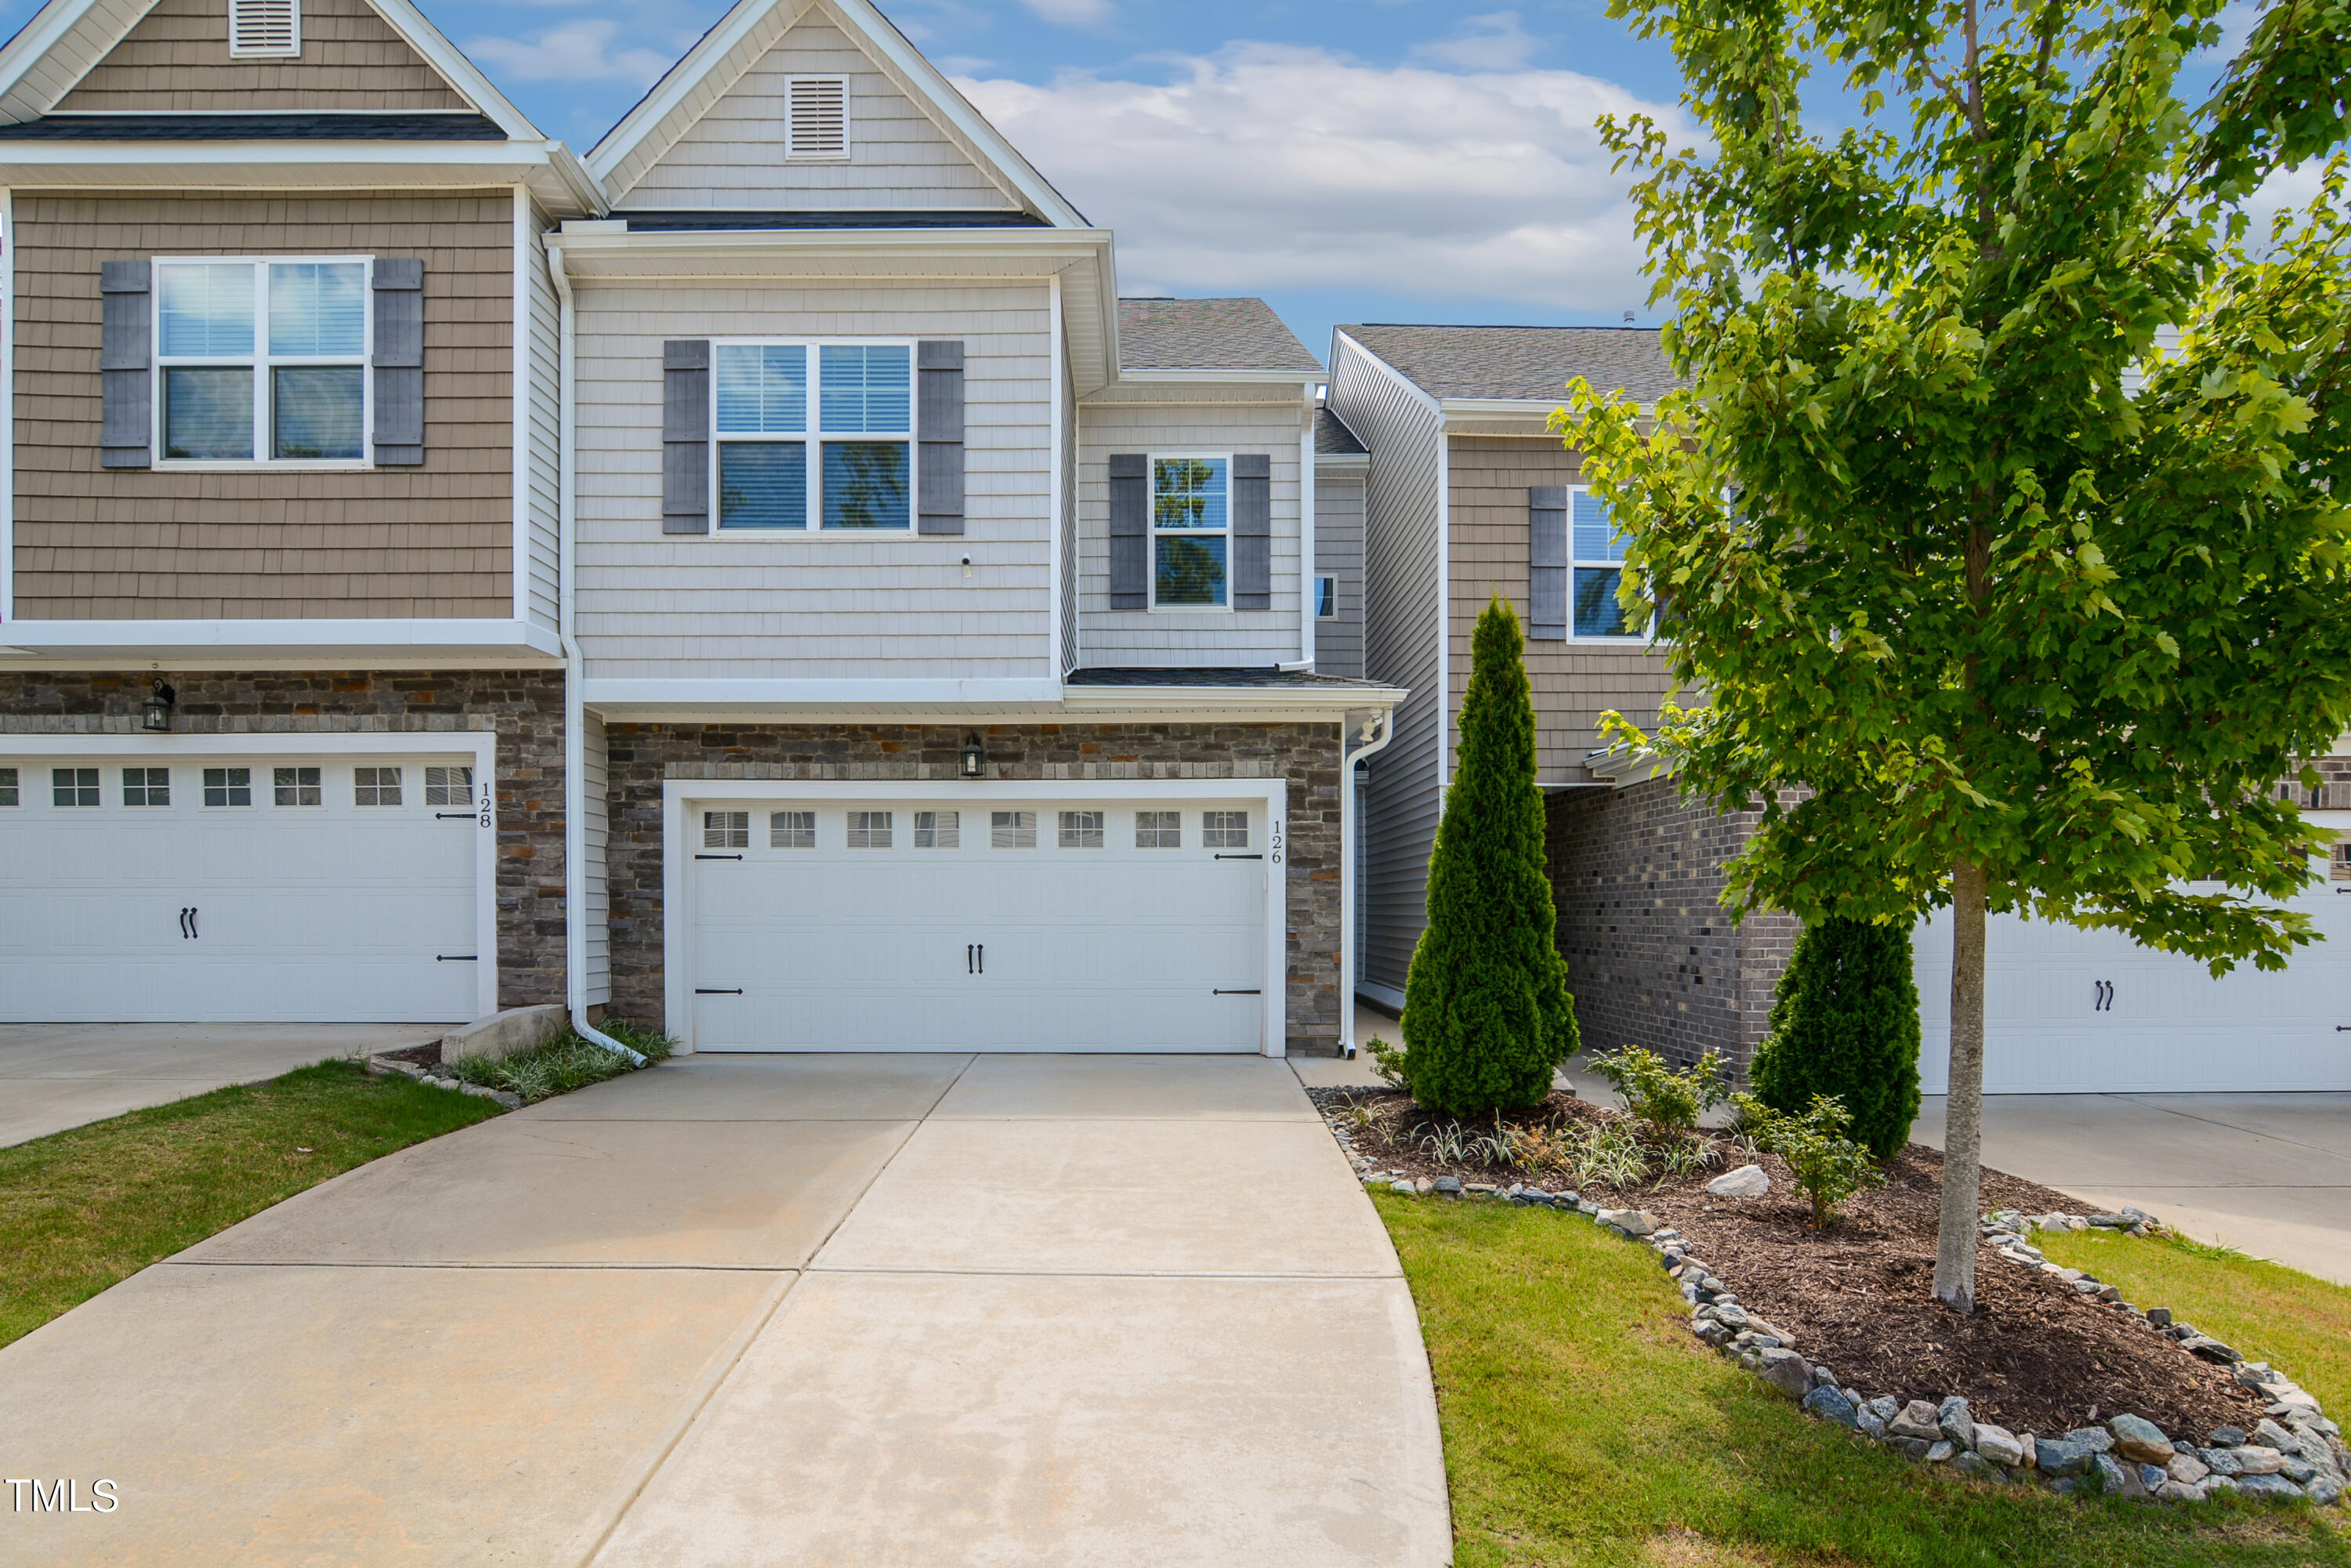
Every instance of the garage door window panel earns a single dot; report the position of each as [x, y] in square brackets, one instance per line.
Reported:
[1012, 829]
[938, 829]
[726, 829]
[1224, 830]
[1159, 830]
[1081, 830]
[869, 829]
[146, 786]
[73, 786]
[8, 787]
[228, 786]
[297, 787]
[375, 787]
[792, 829]
[448, 786]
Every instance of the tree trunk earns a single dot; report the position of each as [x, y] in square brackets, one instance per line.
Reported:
[1955, 1248]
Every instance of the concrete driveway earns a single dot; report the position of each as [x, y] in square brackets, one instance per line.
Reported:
[922, 1309]
[58, 1076]
[2268, 1174]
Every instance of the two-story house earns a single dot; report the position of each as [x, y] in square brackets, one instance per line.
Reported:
[281, 681]
[759, 577]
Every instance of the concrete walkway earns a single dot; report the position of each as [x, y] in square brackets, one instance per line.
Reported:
[2268, 1174]
[783, 1310]
[58, 1076]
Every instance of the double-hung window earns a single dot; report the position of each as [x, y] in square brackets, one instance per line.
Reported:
[1597, 566]
[1191, 532]
[262, 361]
[814, 436]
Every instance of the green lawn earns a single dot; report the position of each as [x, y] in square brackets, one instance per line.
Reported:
[83, 1208]
[1584, 1425]
[2268, 1312]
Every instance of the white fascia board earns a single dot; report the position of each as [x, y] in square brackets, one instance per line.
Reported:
[719, 693]
[338, 167]
[1343, 462]
[145, 641]
[669, 94]
[601, 252]
[1324, 700]
[1536, 409]
[456, 69]
[48, 29]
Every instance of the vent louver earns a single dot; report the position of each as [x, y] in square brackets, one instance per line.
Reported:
[818, 117]
[265, 28]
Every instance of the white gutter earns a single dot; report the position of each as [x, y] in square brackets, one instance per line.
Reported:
[1384, 722]
[575, 826]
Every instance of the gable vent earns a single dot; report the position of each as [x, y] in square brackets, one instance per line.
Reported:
[265, 28]
[816, 117]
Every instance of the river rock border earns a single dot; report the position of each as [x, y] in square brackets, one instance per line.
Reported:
[2295, 1452]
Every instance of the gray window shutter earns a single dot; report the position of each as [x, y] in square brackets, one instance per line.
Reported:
[1547, 563]
[685, 436]
[1130, 531]
[126, 366]
[939, 428]
[1252, 531]
[399, 362]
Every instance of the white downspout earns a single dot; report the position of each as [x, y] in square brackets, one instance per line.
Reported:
[1384, 722]
[575, 743]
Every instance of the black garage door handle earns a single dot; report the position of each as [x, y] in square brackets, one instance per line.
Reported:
[718, 991]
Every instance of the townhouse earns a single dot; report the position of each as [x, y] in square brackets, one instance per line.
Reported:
[1468, 496]
[758, 578]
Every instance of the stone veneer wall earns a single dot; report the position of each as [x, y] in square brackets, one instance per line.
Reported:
[524, 707]
[1652, 957]
[1306, 755]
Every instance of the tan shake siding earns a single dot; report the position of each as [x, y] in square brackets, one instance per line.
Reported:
[1574, 683]
[176, 60]
[128, 544]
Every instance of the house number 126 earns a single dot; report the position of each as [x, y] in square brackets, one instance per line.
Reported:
[1273, 845]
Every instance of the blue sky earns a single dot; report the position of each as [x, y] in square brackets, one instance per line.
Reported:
[1347, 160]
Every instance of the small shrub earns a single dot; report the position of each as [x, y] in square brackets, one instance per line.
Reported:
[1447, 1145]
[1844, 1021]
[1499, 1149]
[1387, 1060]
[1612, 1155]
[563, 1064]
[1669, 1103]
[1828, 1166]
[1686, 1155]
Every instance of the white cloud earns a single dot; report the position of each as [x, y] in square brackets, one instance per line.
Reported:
[1494, 42]
[576, 51]
[1071, 12]
[1269, 166]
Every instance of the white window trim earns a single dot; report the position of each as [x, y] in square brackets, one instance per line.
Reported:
[261, 361]
[792, 154]
[353, 746]
[1642, 638]
[677, 916]
[813, 438]
[1151, 461]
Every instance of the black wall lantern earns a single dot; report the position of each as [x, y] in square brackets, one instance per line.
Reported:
[974, 757]
[156, 713]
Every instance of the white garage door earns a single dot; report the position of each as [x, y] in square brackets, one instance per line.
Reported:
[238, 889]
[1045, 924]
[2069, 1011]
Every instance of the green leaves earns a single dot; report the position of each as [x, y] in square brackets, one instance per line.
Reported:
[1967, 557]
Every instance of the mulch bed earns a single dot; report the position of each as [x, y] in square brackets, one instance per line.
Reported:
[1859, 1299]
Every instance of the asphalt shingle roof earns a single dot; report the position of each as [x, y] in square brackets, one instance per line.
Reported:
[1331, 436]
[1526, 362]
[1208, 334]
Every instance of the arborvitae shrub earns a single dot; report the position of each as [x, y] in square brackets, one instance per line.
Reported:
[1487, 1016]
[1844, 1023]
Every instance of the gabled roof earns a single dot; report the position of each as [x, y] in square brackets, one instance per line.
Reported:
[1530, 364]
[1240, 334]
[748, 31]
[65, 37]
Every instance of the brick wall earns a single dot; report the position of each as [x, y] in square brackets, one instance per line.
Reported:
[524, 708]
[1305, 755]
[1652, 957]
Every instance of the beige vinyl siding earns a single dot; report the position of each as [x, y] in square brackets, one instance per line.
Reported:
[595, 837]
[176, 60]
[733, 157]
[1339, 552]
[542, 501]
[430, 541]
[1155, 638]
[1402, 514]
[792, 605]
[1574, 682]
